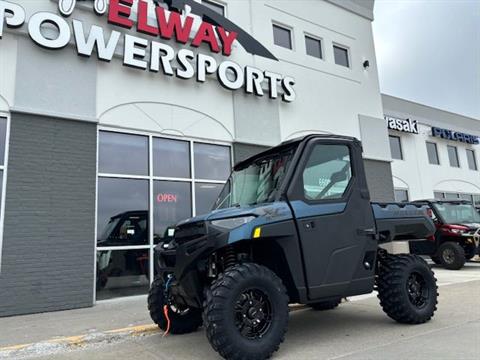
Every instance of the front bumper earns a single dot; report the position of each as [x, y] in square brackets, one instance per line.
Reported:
[186, 257]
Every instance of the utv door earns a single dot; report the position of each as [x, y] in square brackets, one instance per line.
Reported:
[331, 204]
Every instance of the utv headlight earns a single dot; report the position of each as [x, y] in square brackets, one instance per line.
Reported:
[232, 223]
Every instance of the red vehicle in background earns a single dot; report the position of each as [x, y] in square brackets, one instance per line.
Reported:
[458, 233]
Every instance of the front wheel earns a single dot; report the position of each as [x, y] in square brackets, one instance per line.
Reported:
[246, 313]
[182, 320]
[407, 288]
[452, 255]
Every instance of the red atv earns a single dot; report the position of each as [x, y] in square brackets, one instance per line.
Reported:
[458, 233]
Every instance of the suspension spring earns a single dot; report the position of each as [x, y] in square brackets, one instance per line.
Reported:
[229, 258]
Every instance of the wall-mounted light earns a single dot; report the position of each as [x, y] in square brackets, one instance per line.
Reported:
[366, 64]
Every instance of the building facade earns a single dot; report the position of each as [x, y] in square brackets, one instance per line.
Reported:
[119, 119]
[435, 153]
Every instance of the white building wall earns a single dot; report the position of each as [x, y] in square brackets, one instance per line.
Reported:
[414, 173]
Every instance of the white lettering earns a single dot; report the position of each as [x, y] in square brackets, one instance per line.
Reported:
[236, 71]
[162, 54]
[95, 39]
[133, 54]
[16, 16]
[253, 80]
[205, 65]
[184, 57]
[289, 92]
[35, 30]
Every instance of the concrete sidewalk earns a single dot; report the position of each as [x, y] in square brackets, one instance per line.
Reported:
[117, 320]
[105, 316]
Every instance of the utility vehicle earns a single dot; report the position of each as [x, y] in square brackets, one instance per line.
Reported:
[457, 236]
[293, 224]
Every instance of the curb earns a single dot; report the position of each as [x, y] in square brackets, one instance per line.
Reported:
[55, 345]
[68, 343]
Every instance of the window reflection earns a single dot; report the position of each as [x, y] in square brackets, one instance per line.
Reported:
[3, 139]
[172, 203]
[122, 212]
[122, 154]
[205, 196]
[122, 273]
[212, 162]
[171, 158]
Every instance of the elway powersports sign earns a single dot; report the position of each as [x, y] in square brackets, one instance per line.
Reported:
[174, 20]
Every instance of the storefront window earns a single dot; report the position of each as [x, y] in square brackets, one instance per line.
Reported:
[212, 162]
[171, 158]
[131, 199]
[122, 212]
[172, 203]
[3, 137]
[123, 154]
[205, 196]
[122, 273]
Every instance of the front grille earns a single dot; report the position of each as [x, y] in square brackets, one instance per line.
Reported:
[188, 232]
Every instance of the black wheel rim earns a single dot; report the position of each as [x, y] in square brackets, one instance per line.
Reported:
[448, 255]
[417, 290]
[253, 314]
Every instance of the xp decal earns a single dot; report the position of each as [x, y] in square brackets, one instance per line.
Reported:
[183, 21]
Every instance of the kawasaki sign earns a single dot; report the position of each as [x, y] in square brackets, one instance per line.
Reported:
[159, 19]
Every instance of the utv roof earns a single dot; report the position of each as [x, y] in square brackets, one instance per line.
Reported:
[289, 143]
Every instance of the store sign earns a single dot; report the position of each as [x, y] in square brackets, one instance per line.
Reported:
[214, 30]
[404, 125]
[166, 198]
[455, 136]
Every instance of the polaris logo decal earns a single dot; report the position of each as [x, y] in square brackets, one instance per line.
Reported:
[404, 125]
[183, 21]
[455, 136]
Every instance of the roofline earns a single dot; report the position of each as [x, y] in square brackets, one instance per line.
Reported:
[431, 107]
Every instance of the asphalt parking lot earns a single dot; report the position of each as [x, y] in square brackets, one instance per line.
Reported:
[358, 329]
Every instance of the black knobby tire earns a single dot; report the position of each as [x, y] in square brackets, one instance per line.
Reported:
[326, 305]
[436, 259]
[407, 288]
[452, 255]
[227, 298]
[181, 321]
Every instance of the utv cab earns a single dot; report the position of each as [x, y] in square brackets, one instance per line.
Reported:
[457, 234]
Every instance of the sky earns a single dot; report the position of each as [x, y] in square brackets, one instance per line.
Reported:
[428, 51]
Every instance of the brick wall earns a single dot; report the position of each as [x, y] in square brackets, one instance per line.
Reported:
[48, 243]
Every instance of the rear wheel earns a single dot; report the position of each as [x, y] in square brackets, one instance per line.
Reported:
[436, 259]
[246, 313]
[452, 255]
[326, 305]
[407, 288]
[182, 319]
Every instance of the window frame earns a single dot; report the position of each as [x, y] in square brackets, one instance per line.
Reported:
[407, 192]
[474, 158]
[276, 24]
[218, 3]
[4, 169]
[402, 156]
[436, 152]
[296, 188]
[347, 49]
[456, 155]
[192, 180]
[316, 38]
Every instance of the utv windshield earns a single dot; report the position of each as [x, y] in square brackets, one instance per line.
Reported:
[255, 182]
[458, 213]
